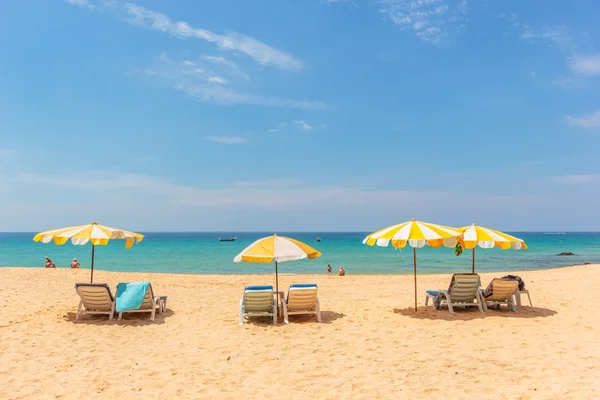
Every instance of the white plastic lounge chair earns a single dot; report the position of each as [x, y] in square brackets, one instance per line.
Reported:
[502, 293]
[150, 304]
[258, 301]
[96, 298]
[302, 299]
[465, 292]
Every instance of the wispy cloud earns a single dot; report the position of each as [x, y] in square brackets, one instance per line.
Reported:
[586, 64]
[83, 3]
[236, 42]
[578, 56]
[225, 95]
[576, 179]
[590, 121]
[201, 83]
[226, 139]
[306, 126]
[277, 128]
[433, 21]
[217, 79]
[572, 82]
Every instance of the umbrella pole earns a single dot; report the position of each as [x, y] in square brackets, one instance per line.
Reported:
[276, 279]
[92, 278]
[473, 267]
[415, 273]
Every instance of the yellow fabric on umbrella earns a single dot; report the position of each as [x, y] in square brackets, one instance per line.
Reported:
[278, 249]
[416, 234]
[486, 238]
[99, 235]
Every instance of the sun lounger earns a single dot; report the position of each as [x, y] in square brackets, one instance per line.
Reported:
[96, 298]
[464, 292]
[502, 293]
[258, 301]
[302, 299]
[150, 302]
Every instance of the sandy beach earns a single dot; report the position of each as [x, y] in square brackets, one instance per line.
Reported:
[371, 343]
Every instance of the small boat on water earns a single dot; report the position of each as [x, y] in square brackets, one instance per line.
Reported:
[228, 239]
[318, 239]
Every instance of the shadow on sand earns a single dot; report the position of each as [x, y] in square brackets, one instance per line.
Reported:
[467, 314]
[129, 319]
[327, 317]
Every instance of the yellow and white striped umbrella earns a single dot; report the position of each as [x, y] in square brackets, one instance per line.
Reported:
[486, 238]
[278, 249]
[416, 234]
[99, 235]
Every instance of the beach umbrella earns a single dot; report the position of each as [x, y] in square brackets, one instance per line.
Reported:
[278, 249]
[486, 238]
[99, 235]
[416, 234]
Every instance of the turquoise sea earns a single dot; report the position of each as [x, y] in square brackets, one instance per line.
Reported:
[203, 253]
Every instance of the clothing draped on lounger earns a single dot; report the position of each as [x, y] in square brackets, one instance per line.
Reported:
[130, 296]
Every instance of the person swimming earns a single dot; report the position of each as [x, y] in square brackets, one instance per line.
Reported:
[75, 263]
[328, 267]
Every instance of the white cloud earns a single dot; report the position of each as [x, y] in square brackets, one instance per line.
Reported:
[590, 121]
[586, 64]
[571, 82]
[306, 126]
[279, 127]
[433, 21]
[220, 60]
[226, 139]
[576, 179]
[83, 3]
[217, 79]
[226, 95]
[236, 42]
[202, 84]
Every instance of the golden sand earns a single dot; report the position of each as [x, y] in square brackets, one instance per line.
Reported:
[371, 343]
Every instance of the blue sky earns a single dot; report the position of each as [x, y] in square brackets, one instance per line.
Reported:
[299, 115]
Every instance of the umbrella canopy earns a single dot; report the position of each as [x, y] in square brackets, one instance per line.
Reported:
[99, 235]
[416, 234]
[278, 249]
[486, 238]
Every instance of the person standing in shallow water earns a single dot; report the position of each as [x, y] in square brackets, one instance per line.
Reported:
[341, 271]
[328, 267]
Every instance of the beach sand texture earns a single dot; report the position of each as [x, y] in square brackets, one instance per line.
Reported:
[371, 344]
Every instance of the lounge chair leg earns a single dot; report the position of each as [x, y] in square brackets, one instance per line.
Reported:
[426, 300]
[450, 308]
[120, 316]
[112, 312]
[319, 311]
[241, 312]
[79, 309]
[285, 314]
[153, 312]
[529, 297]
[274, 312]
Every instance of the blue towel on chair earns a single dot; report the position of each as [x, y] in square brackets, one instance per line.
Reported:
[130, 296]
